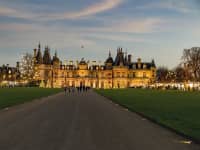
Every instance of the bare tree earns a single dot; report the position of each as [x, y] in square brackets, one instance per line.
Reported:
[180, 73]
[162, 73]
[191, 60]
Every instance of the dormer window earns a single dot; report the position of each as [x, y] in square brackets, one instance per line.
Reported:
[134, 66]
[139, 66]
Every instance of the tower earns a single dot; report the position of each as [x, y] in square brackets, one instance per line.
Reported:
[56, 61]
[47, 57]
[119, 60]
[109, 61]
[39, 59]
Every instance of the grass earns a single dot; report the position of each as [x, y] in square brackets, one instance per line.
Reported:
[174, 109]
[14, 96]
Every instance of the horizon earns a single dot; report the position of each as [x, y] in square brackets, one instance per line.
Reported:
[149, 29]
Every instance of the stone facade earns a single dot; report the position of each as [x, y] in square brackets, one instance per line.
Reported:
[118, 73]
[9, 74]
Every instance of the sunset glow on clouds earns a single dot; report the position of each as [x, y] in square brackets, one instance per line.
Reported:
[147, 28]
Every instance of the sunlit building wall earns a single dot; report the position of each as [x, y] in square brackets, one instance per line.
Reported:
[118, 73]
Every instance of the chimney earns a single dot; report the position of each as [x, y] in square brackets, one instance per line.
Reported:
[35, 52]
[17, 64]
[7, 66]
[139, 60]
[129, 59]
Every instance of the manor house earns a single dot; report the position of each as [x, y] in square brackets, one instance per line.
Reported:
[120, 72]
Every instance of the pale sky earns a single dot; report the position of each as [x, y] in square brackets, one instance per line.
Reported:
[158, 29]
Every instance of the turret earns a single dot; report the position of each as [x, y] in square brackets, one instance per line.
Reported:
[47, 57]
[109, 61]
[39, 59]
[153, 63]
[56, 61]
[39, 46]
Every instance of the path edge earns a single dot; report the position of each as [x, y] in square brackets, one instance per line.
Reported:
[194, 140]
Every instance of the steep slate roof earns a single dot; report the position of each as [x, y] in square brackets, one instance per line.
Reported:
[109, 59]
[5, 69]
[119, 58]
[82, 62]
[55, 58]
[47, 57]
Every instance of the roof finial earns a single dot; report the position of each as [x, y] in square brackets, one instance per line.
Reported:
[109, 53]
[39, 46]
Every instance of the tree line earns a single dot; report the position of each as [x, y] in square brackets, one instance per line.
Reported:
[187, 70]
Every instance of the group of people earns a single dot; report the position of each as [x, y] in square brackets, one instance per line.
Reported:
[76, 89]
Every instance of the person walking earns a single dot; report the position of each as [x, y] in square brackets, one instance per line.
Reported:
[65, 89]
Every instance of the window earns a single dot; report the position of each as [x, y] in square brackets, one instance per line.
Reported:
[134, 74]
[144, 74]
[123, 74]
[134, 66]
[102, 74]
[94, 75]
[102, 84]
[118, 74]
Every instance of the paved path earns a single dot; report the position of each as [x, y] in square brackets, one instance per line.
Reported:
[83, 121]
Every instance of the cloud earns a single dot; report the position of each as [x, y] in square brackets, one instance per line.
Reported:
[117, 38]
[146, 25]
[27, 35]
[11, 12]
[20, 27]
[176, 5]
[102, 6]
[139, 26]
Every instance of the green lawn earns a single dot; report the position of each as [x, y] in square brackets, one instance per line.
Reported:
[175, 109]
[13, 96]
